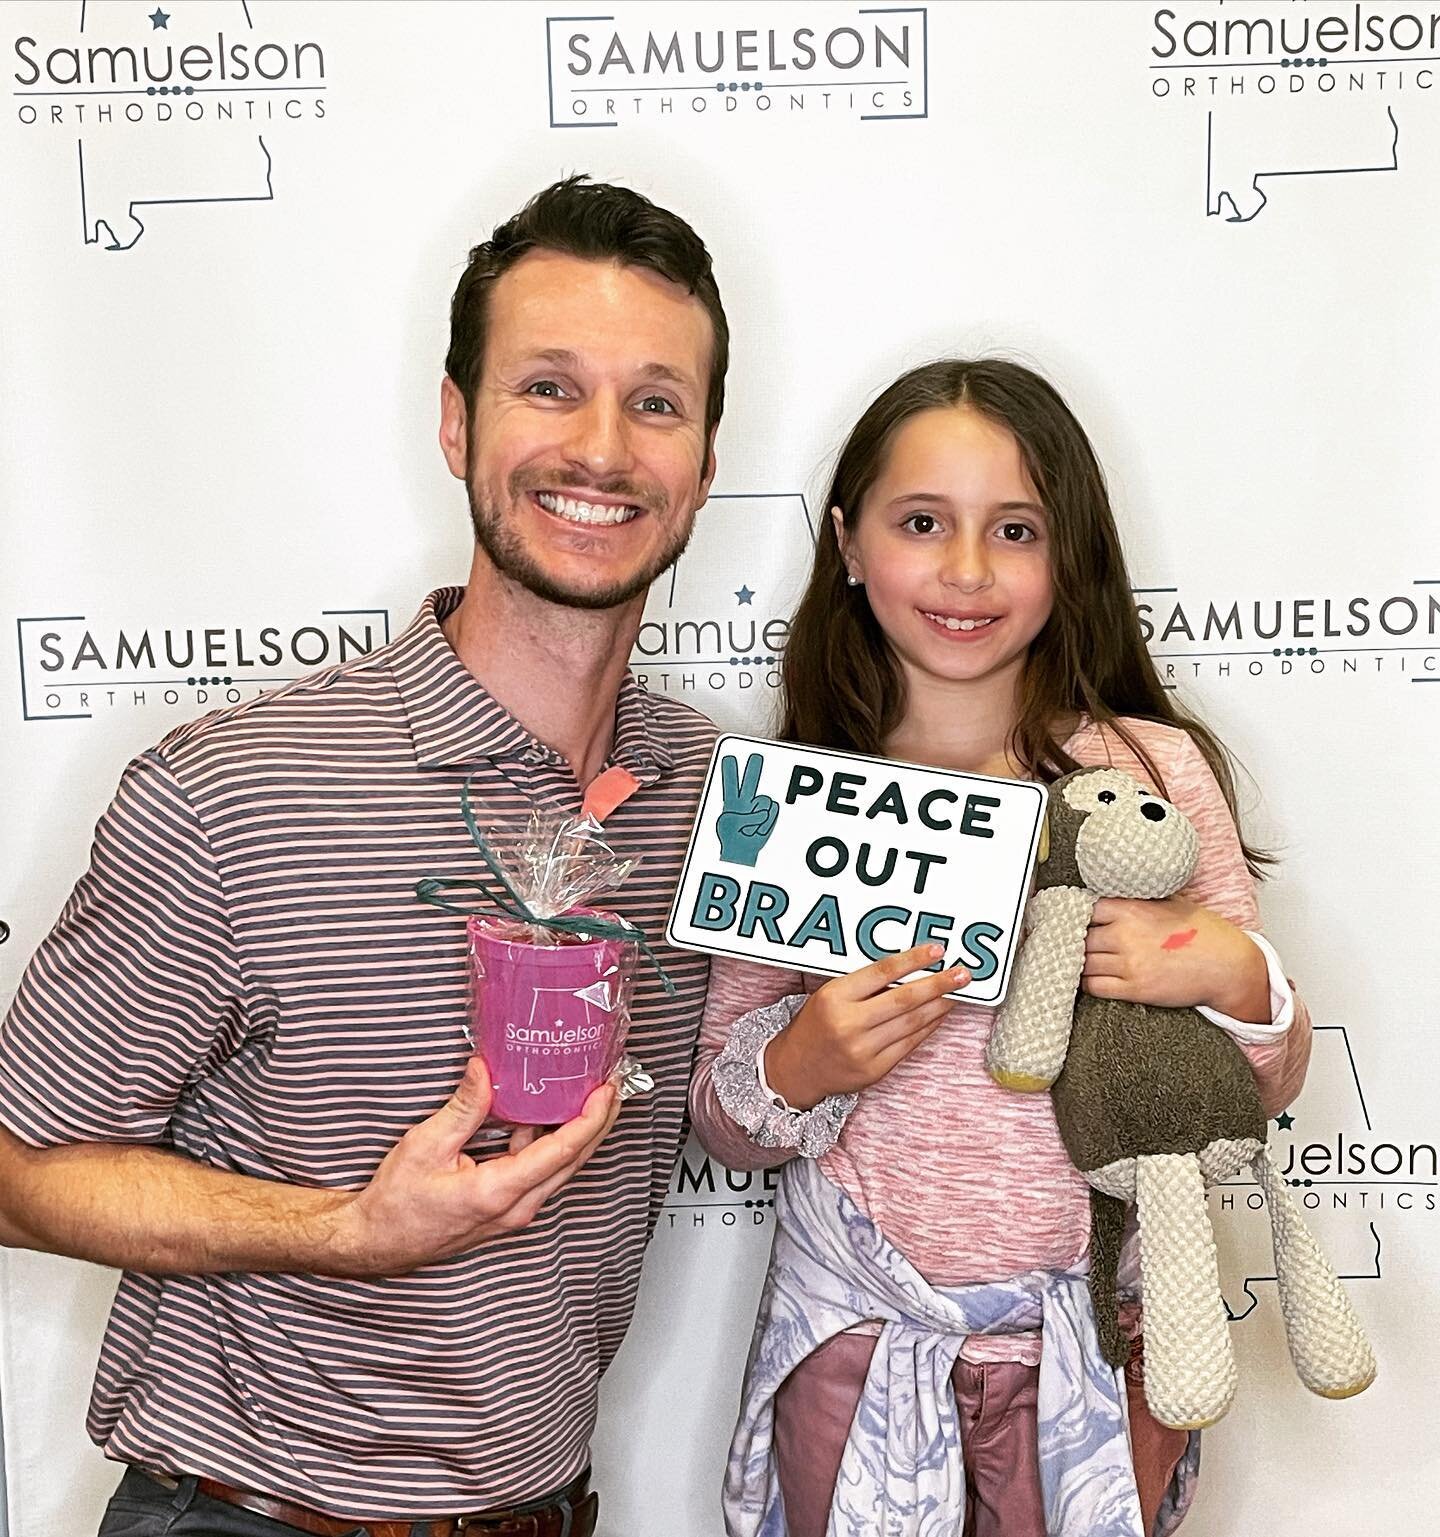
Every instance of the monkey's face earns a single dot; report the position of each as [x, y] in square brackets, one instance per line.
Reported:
[1128, 842]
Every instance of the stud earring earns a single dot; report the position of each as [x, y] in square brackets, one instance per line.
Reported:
[852, 580]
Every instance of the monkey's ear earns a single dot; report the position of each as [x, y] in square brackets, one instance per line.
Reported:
[1044, 853]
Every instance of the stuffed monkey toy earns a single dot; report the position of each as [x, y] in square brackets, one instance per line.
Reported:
[1153, 1105]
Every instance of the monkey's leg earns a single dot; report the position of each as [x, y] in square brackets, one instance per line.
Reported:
[1331, 1354]
[1107, 1226]
[1190, 1372]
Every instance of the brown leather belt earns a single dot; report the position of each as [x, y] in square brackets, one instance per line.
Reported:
[570, 1513]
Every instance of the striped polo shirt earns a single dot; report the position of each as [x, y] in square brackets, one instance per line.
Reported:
[245, 973]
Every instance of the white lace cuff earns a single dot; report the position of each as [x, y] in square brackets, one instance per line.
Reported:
[748, 1099]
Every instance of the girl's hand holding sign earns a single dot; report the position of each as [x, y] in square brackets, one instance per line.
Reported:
[856, 1028]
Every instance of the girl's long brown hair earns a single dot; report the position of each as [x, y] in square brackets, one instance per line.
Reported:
[841, 684]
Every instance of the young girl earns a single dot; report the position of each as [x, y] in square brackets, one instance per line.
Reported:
[969, 609]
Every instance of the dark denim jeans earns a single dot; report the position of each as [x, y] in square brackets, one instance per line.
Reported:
[144, 1507]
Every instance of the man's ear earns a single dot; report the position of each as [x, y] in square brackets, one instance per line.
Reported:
[708, 478]
[454, 428]
[837, 522]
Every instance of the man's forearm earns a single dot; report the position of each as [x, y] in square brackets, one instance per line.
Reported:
[148, 1209]
[151, 1210]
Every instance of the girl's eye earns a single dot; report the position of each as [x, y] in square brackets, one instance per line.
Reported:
[547, 389]
[657, 405]
[921, 522]
[1017, 533]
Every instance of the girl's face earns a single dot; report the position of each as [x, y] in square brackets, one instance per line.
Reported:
[953, 547]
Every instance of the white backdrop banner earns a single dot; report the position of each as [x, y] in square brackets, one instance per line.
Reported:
[231, 231]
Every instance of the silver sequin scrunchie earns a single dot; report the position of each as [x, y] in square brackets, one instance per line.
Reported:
[737, 1087]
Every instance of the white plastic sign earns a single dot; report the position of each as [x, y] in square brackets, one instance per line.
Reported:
[825, 861]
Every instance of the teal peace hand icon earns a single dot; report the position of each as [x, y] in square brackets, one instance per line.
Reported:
[748, 818]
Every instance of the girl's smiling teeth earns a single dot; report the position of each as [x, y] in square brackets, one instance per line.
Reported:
[951, 623]
[573, 510]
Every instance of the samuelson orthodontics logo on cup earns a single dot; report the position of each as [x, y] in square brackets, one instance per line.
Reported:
[74, 668]
[807, 857]
[150, 107]
[1295, 100]
[775, 63]
[1378, 635]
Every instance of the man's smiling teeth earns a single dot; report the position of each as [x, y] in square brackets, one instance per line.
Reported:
[959, 624]
[574, 511]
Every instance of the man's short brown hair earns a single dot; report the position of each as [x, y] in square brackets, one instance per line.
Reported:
[597, 222]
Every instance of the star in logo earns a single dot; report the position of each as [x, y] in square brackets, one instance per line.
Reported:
[744, 595]
[158, 19]
[1284, 1120]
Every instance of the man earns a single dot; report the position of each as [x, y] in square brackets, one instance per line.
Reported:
[231, 1069]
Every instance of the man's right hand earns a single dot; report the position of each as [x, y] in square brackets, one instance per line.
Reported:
[430, 1200]
[149, 1209]
[855, 1028]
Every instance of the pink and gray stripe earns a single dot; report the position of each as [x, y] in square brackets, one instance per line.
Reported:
[244, 972]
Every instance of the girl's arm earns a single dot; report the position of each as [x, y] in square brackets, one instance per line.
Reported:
[736, 987]
[1195, 949]
[1223, 884]
[791, 1075]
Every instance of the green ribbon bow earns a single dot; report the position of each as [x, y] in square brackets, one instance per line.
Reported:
[496, 887]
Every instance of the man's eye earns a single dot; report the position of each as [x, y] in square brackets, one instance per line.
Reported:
[921, 522]
[1017, 533]
[547, 389]
[657, 405]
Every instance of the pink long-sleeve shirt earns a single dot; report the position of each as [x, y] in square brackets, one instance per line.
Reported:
[969, 1180]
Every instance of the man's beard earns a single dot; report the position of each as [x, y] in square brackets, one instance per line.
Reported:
[505, 546]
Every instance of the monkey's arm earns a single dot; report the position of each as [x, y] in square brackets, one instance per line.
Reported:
[1032, 1027]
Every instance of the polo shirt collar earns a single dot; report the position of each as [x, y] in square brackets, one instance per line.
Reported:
[454, 721]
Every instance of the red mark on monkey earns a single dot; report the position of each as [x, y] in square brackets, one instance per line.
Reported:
[1179, 939]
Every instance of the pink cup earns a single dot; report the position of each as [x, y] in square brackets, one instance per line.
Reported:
[550, 1020]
